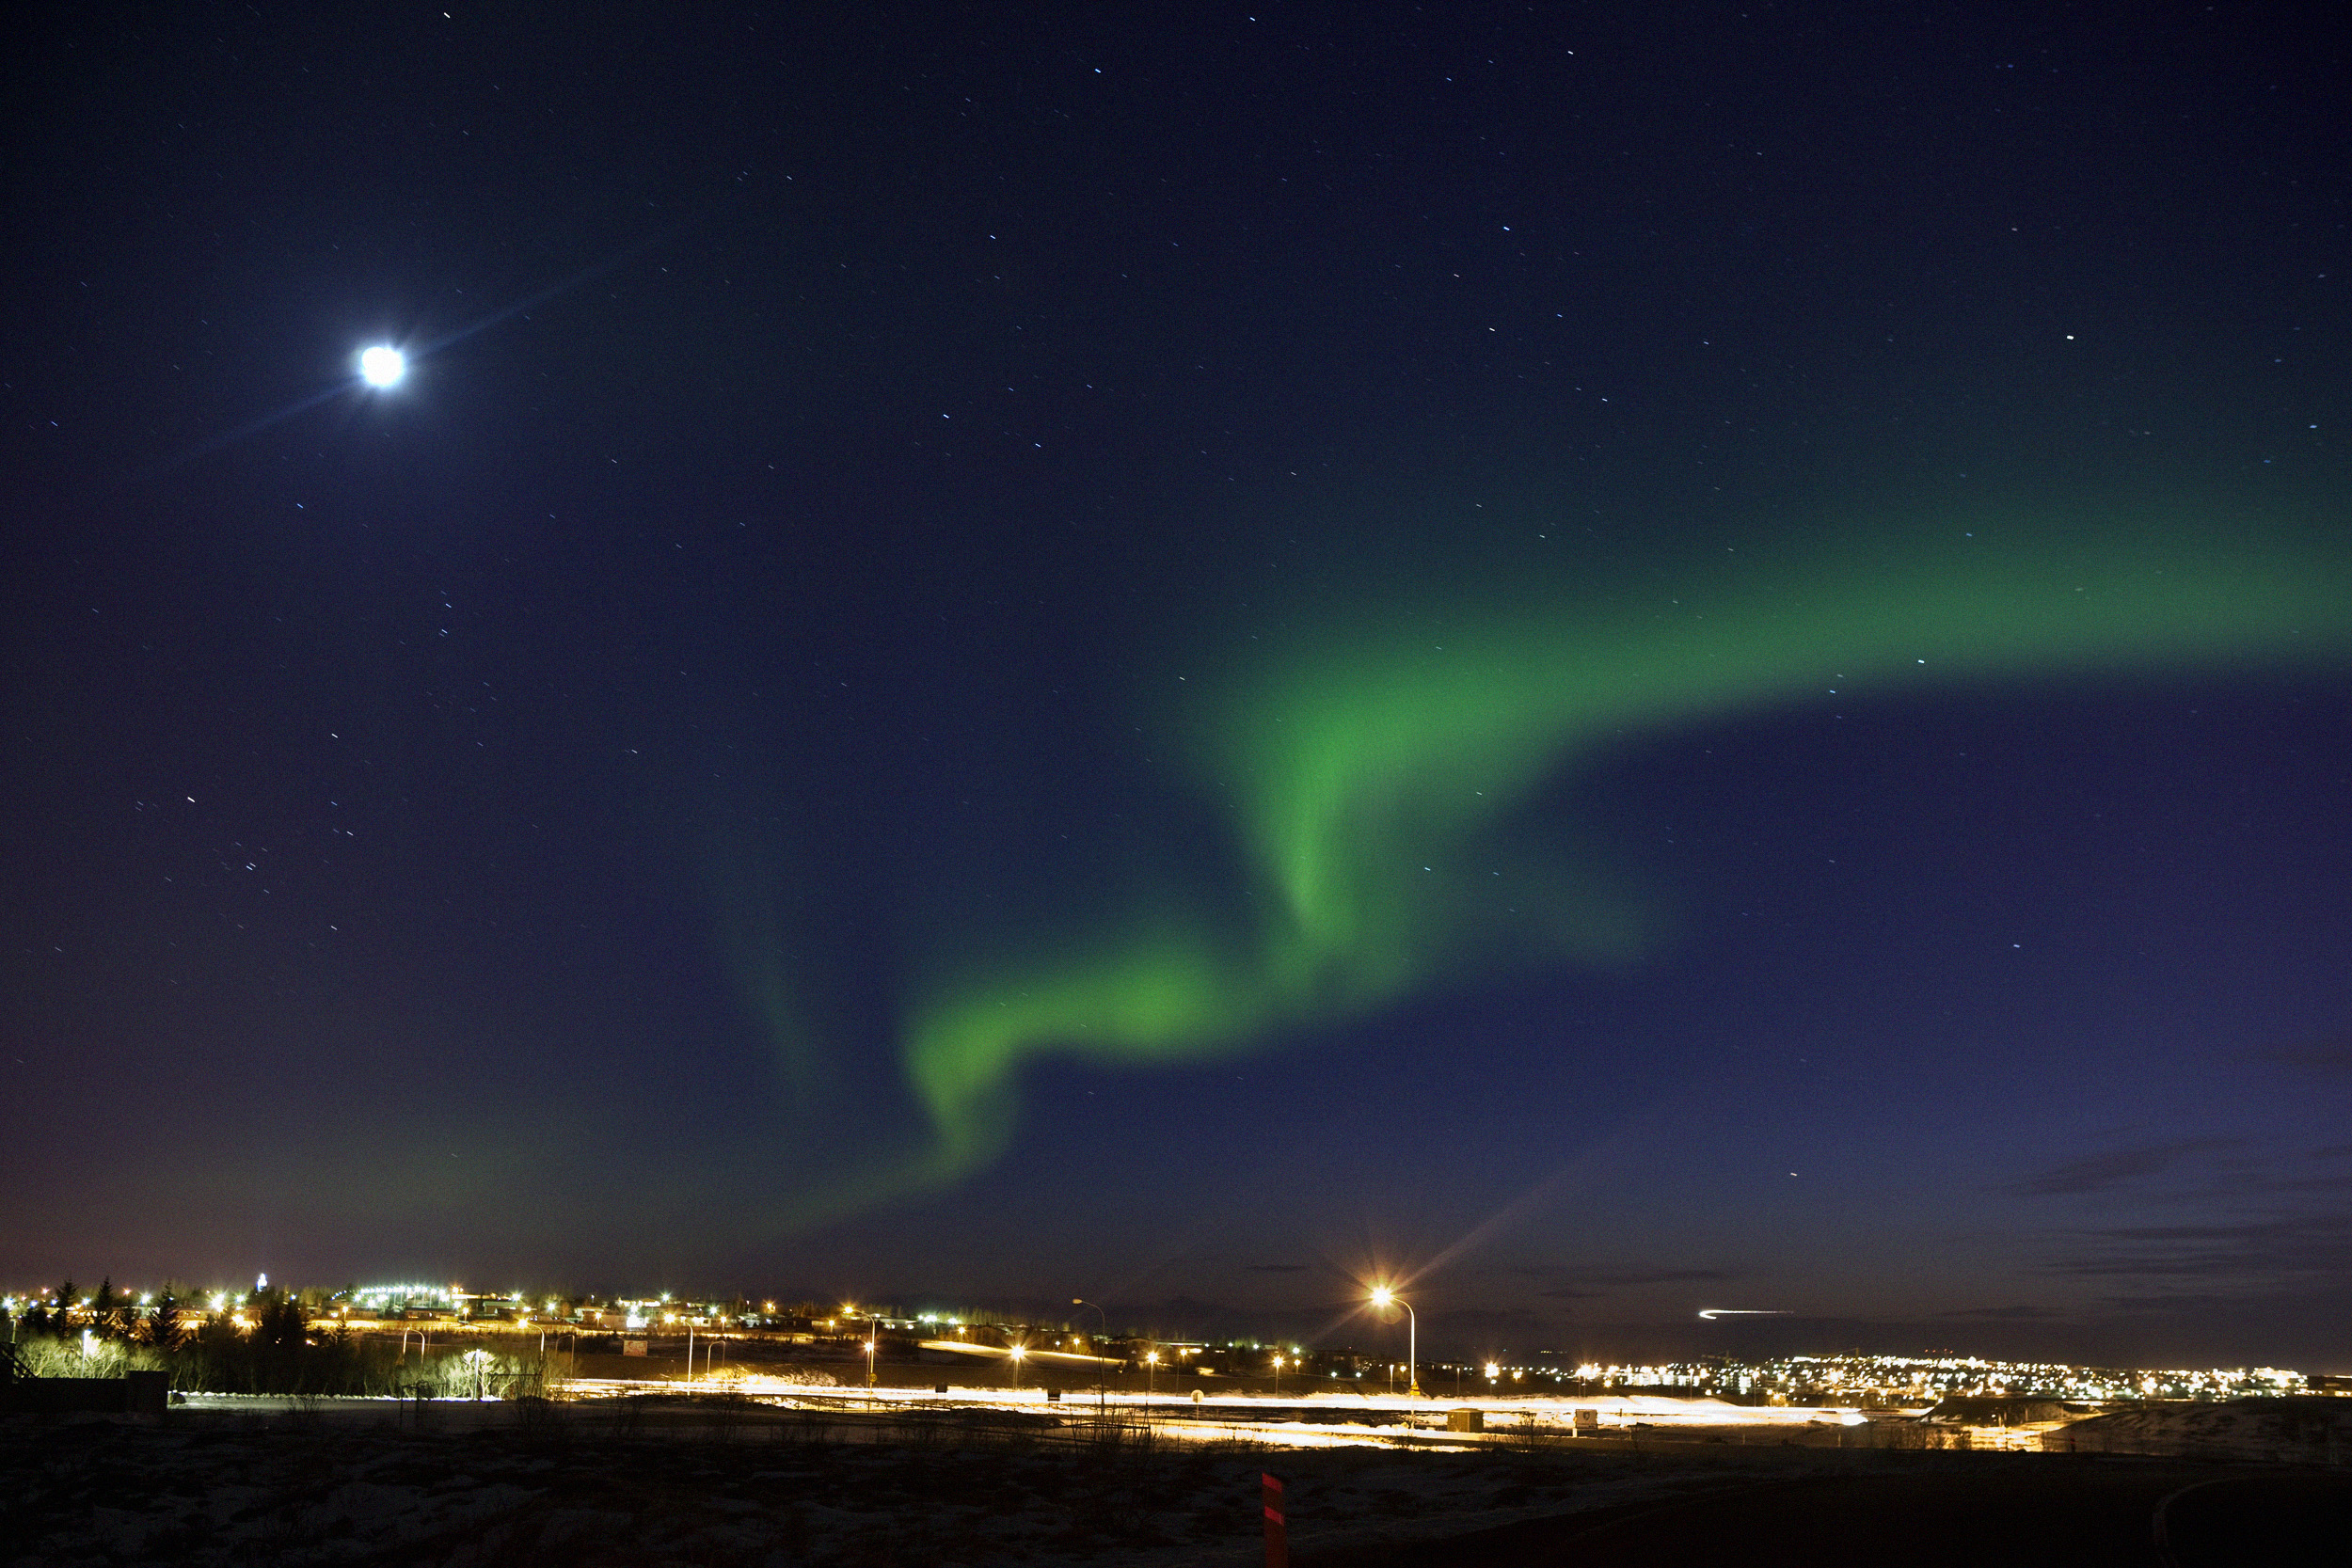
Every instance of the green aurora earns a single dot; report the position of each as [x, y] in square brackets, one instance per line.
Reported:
[1366, 764]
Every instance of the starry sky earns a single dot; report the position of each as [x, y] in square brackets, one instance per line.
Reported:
[1608, 660]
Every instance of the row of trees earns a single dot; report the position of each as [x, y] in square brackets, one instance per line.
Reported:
[104, 1316]
[270, 1345]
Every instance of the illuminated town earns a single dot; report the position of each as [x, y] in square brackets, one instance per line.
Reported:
[483, 1391]
[885, 1344]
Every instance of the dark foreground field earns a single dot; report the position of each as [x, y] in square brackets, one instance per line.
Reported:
[661, 1483]
[1988, 1510]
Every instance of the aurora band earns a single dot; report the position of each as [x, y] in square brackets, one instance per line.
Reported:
[1376, 754]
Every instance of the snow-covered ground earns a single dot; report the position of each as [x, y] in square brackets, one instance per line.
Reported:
[350, 1482]
[831, 1478]
[2309, 1430]
[1501, 1411]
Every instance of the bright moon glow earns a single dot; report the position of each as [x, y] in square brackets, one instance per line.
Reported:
[382, 367]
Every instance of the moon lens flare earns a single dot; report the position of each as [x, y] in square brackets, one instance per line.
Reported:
[381, 366]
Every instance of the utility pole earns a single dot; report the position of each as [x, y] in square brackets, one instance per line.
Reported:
[1103, 1318]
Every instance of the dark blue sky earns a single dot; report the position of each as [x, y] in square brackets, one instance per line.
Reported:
[909, 726]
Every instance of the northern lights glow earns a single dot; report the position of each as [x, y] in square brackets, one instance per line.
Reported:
[1368, 767]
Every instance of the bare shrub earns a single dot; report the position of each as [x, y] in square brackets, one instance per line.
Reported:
[805, 1377]
[42, 1356]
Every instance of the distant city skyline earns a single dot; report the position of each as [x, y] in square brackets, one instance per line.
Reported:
[1863, 1379]
[1342, 1327]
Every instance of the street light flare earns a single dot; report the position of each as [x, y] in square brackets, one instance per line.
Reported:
[1388, 1304]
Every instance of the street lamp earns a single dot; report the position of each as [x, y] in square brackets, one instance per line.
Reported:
[1150, 1370]
[873, 1335]
[1102, 1317]
[1017, 1352]
[1277, 1377]
[1384, 1300]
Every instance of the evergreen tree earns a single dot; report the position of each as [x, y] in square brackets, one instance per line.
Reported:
[61, 1317]
[278, 1323]
[277, 1344]
[163, 1329]
[105, 1310]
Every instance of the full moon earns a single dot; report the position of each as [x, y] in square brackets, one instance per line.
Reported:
[382, 367]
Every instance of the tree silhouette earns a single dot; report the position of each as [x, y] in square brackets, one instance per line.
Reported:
[163, 1328]
[105, 1310]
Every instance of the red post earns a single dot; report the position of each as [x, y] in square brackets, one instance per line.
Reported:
[1278, 1548]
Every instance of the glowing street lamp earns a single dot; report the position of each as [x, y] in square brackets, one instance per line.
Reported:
[873, 1335]
[1103, 1319]
[1385, 1301]
[1016, 1353]
[1277, 1377]
[1151, 1371]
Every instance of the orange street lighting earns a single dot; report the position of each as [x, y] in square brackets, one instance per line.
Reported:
[1386, 1301]
[1104, 1318]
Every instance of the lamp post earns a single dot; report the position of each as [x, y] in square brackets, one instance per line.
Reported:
[1278, 1375]
[1150, 1370]
[1103, 1319]
[1384, 1298]
[1016, 1353]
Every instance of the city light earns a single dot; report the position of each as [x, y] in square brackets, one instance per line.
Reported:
[1838, 1390]
[1387, 1303]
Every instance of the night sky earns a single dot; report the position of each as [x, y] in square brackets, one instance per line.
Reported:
[1610, 660]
